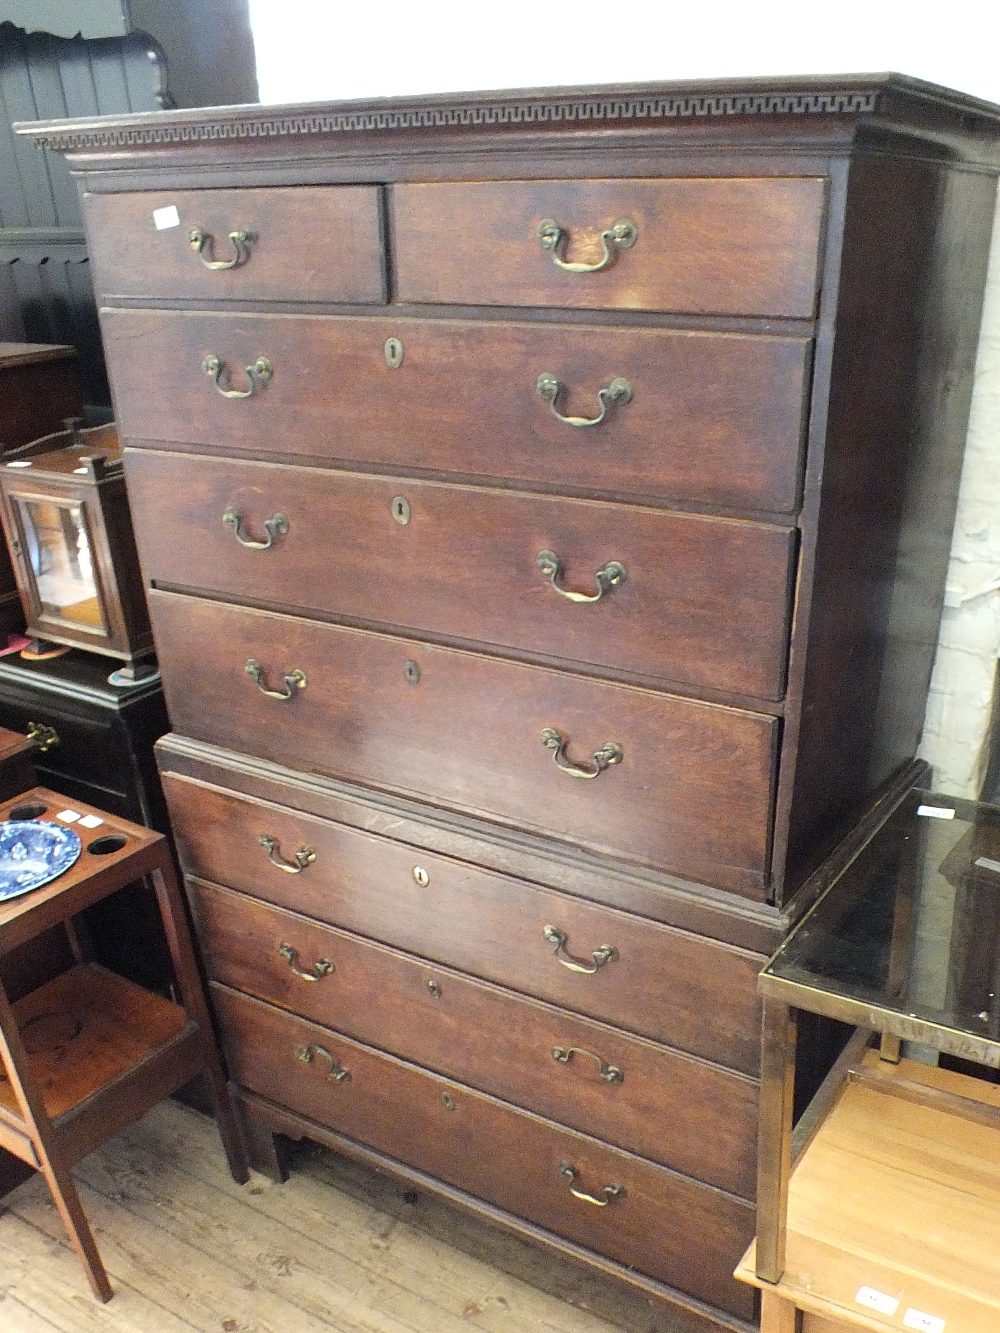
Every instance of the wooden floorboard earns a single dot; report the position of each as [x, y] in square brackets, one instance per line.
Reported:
[339, 1247]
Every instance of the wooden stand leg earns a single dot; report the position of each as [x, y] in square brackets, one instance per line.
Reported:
[52, 1163]
[774, 1142]
[262, 1147]
[778, 1315]
[66, 1199]
[172, 911]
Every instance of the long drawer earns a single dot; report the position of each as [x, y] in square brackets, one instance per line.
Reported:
[695, 993]
[297, 243]
[736, 246]
[676, 784]
[699, 601]
[664, 1224]
[713, 417]
[623, 1089]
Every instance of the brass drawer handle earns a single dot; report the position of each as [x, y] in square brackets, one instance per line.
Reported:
[609, 1073]
[622, 235]
[616, 394]
[320, 969]
[610, 1192]
[276, 526]
[605, 953]
[609, 753]
[46, 738]
[294, 680]
[611, 575]
[201, 241]
[258, 374]
[337, 1074]
[305, 856]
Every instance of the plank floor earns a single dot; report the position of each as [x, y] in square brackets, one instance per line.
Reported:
[337, 1247]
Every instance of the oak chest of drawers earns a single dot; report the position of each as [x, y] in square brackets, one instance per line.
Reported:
[545, 501]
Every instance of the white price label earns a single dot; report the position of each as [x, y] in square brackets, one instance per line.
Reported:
[166, 217]
[923, 1323]
[68, 816]
[90, 821]
[935, 812]
[876, 1300]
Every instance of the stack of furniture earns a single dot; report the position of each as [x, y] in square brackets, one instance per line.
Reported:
[545, 501]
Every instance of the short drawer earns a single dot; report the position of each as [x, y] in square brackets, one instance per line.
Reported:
[699, 601]
[712, 417]
[695, 993]
[298, 243]
[707, 246]
[583, 1074]
[678, 785]
[663, 1224]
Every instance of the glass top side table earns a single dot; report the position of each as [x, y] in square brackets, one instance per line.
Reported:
[903, 939]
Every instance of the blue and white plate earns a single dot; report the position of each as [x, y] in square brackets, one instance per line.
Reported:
[33, 852]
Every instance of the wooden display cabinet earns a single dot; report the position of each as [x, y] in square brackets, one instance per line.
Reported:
[67, 522]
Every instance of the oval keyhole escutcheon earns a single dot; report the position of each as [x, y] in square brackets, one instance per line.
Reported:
[401, 510]
[393, 351]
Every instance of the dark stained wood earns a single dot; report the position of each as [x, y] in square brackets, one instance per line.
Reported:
[725, 409]
[863, 655]
[738, 247]
[465, 565]
[308, 244]
[858, 290]
[672, 901]
[692, 992]
[492, 1039]
[394, 1107]
[691, 794]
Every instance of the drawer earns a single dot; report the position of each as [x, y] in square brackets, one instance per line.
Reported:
[700, 601]
[695, 993]
[713, 417]
[676, 784]
[713, 246]
[619, 1088]
[663, 1224]
[69, 747]
[306, 243]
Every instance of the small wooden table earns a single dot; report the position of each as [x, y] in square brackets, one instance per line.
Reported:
[88, 1052]
[882, 1210]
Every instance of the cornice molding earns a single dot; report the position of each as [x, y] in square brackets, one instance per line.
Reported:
[848, 97]
[283, 122]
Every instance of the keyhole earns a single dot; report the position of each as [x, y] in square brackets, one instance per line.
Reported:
[411, 672]
[401, 510]
[393, 351]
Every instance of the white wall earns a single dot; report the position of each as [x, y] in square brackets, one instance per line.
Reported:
[329, 49]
